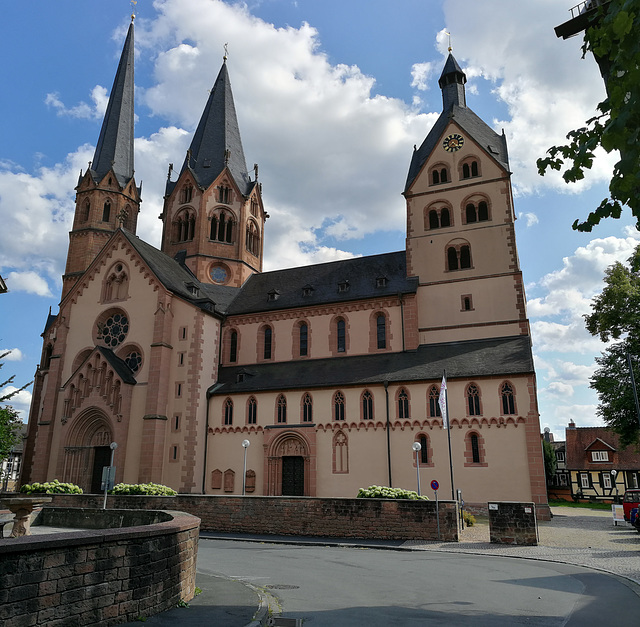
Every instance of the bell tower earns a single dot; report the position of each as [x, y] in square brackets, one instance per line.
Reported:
[213, 213]
[106, 195]
[460, 226]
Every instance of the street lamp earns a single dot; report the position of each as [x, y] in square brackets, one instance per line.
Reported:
[245, 445]
[416, 447]
[110, 474]
[615, 485]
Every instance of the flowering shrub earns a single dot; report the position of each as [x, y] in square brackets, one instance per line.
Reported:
[382, 492]
[50, 487]
[147, 489]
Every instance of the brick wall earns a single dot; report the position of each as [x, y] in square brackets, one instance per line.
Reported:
[100, 577]
[513, 523]
[338, 518]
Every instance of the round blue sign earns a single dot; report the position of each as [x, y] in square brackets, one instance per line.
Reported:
[434, 485]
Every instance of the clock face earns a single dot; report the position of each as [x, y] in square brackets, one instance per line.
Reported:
[218, 274]
[453, 142]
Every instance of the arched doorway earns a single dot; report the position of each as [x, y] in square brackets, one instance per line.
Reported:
[87, 450]
[289, 466]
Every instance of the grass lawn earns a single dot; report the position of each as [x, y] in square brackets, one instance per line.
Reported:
[606, 506]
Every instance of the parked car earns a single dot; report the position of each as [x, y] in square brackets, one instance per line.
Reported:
[630, 500]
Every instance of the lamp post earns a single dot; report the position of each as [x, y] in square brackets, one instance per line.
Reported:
[109, 475]
[615, 485]
[245, 445]
[416, 447]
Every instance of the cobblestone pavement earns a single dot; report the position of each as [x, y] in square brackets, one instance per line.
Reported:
[574, 536]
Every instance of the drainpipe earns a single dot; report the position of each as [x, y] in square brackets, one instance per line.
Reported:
[386, 392]
[400, 296]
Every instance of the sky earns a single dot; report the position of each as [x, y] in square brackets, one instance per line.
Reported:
[331, 97]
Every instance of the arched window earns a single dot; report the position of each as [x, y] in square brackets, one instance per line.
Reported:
[466, 171]
[252, 411]
[469, 169]
[106, 211]
[222, 227]
[228, 412]
[434, 219]
[483, 211]
[367, 406]
[304, 339]
[381, 330]
[307, 408]
[424, 449]
[338, 406]
[444, 175]
[471, 213]
[473, 400]
[185, 226]
[434, 405]
[233, 347]
[474, 168]
[435, 177]
[86, 210]
[477, 212]
[403, 404]
[253, 239]
[475, 448]
[445, 218]
[267, 341]
[508, 399]
[281, 407]
[342, 336]
[224, 194]
[465, 257]
[116, 284]
[340, 452]
[452, 258]
[185, 194]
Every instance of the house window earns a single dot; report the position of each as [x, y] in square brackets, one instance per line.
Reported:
[403, 404]
[475, 449]
[267, 339]
[176, 422]
[560, 456]
[584, 480]
[341, 341]
[307, 408]
[599, 456]
[367, 406]
[434, 405]
[281, 405]
[424, 450]
[252, 411]
[508, 399]
[473, 400]
[562, 479]
[381, 331]
[181, 359]
[182, 333]
[174, 453]
[338, 406]
[467, 302]
[606, 480]
[228, 412]
[304, 337]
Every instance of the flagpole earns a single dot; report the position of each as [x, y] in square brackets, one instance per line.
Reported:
[448, 425]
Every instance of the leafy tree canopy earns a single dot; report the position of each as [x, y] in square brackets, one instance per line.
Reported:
[9, 420]
[549, 459]
[616, 315]
[613, 38]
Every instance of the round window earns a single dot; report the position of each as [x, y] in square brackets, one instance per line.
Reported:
[113, 330]
[133, 360]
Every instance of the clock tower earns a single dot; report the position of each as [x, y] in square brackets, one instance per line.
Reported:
[460, 226]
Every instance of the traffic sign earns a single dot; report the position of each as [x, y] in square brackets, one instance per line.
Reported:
[434, 485]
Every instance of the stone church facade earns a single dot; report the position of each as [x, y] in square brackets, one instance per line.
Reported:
[331, 372]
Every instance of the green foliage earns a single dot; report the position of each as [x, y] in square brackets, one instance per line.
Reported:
[9, 420]
[549, 459]
[382, 492]
[50, 487]
[616, 315]
[469, 519]
[612, 37]
[147, 489]
[182, 603]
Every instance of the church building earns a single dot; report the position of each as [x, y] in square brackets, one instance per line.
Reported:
[214, 377]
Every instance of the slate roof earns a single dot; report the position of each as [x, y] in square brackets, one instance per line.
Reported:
[469, 122]
[319, 284]
[217, 132]
[580, 441]
[177, 278]
[491, 357]
[115, 144]
[120, 368]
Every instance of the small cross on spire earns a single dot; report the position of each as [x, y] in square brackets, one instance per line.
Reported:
[226, 53]
[448, 34]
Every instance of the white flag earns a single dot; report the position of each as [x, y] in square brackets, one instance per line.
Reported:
[442, 401]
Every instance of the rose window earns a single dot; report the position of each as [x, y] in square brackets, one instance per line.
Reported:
[133, 360]
[114, 329]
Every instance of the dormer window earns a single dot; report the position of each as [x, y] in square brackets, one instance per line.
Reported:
[240, 377]
[599, 456]
[192, 288]
[273, 295]
[307, 290]
[343, 287]
[381, 281]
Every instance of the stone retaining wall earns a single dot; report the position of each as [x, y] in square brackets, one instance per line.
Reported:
[381, 519]
[513, 523]
[100, 577]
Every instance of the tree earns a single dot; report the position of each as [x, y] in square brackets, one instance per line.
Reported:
[612, 36]
[549, 460]
[616, 316]
[9, 420]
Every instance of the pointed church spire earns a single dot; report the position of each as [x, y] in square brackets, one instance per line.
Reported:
[115, 144]
[216, 143]
[451, 83]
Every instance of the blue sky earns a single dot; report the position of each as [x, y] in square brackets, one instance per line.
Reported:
[331, 97]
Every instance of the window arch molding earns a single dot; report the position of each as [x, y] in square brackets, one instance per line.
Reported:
[469, 167]
[222, 225]
[252, 410]
[438, 215]
[403, 404]
[252, 238]
[507, 398]
[476, 208]
[232, 345]
[266, 343]
[433, 398]
[339, 406]
[339, 340]
[184, 225]
[301, 339]
[227, 412]
[379, 330]
[473, 399]
[281, 409]
[426, 451]
[458, 255]
[439, 173]
[306, 408]
[474, 454]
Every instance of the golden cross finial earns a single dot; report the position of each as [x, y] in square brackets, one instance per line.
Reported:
[226, 52]
[133, 9]
[448, 34]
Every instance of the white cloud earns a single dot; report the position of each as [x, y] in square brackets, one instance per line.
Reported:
[14, 354]
[81, 110]
[30, 282]
[20, 402]
[530, 219]
[423, 75]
